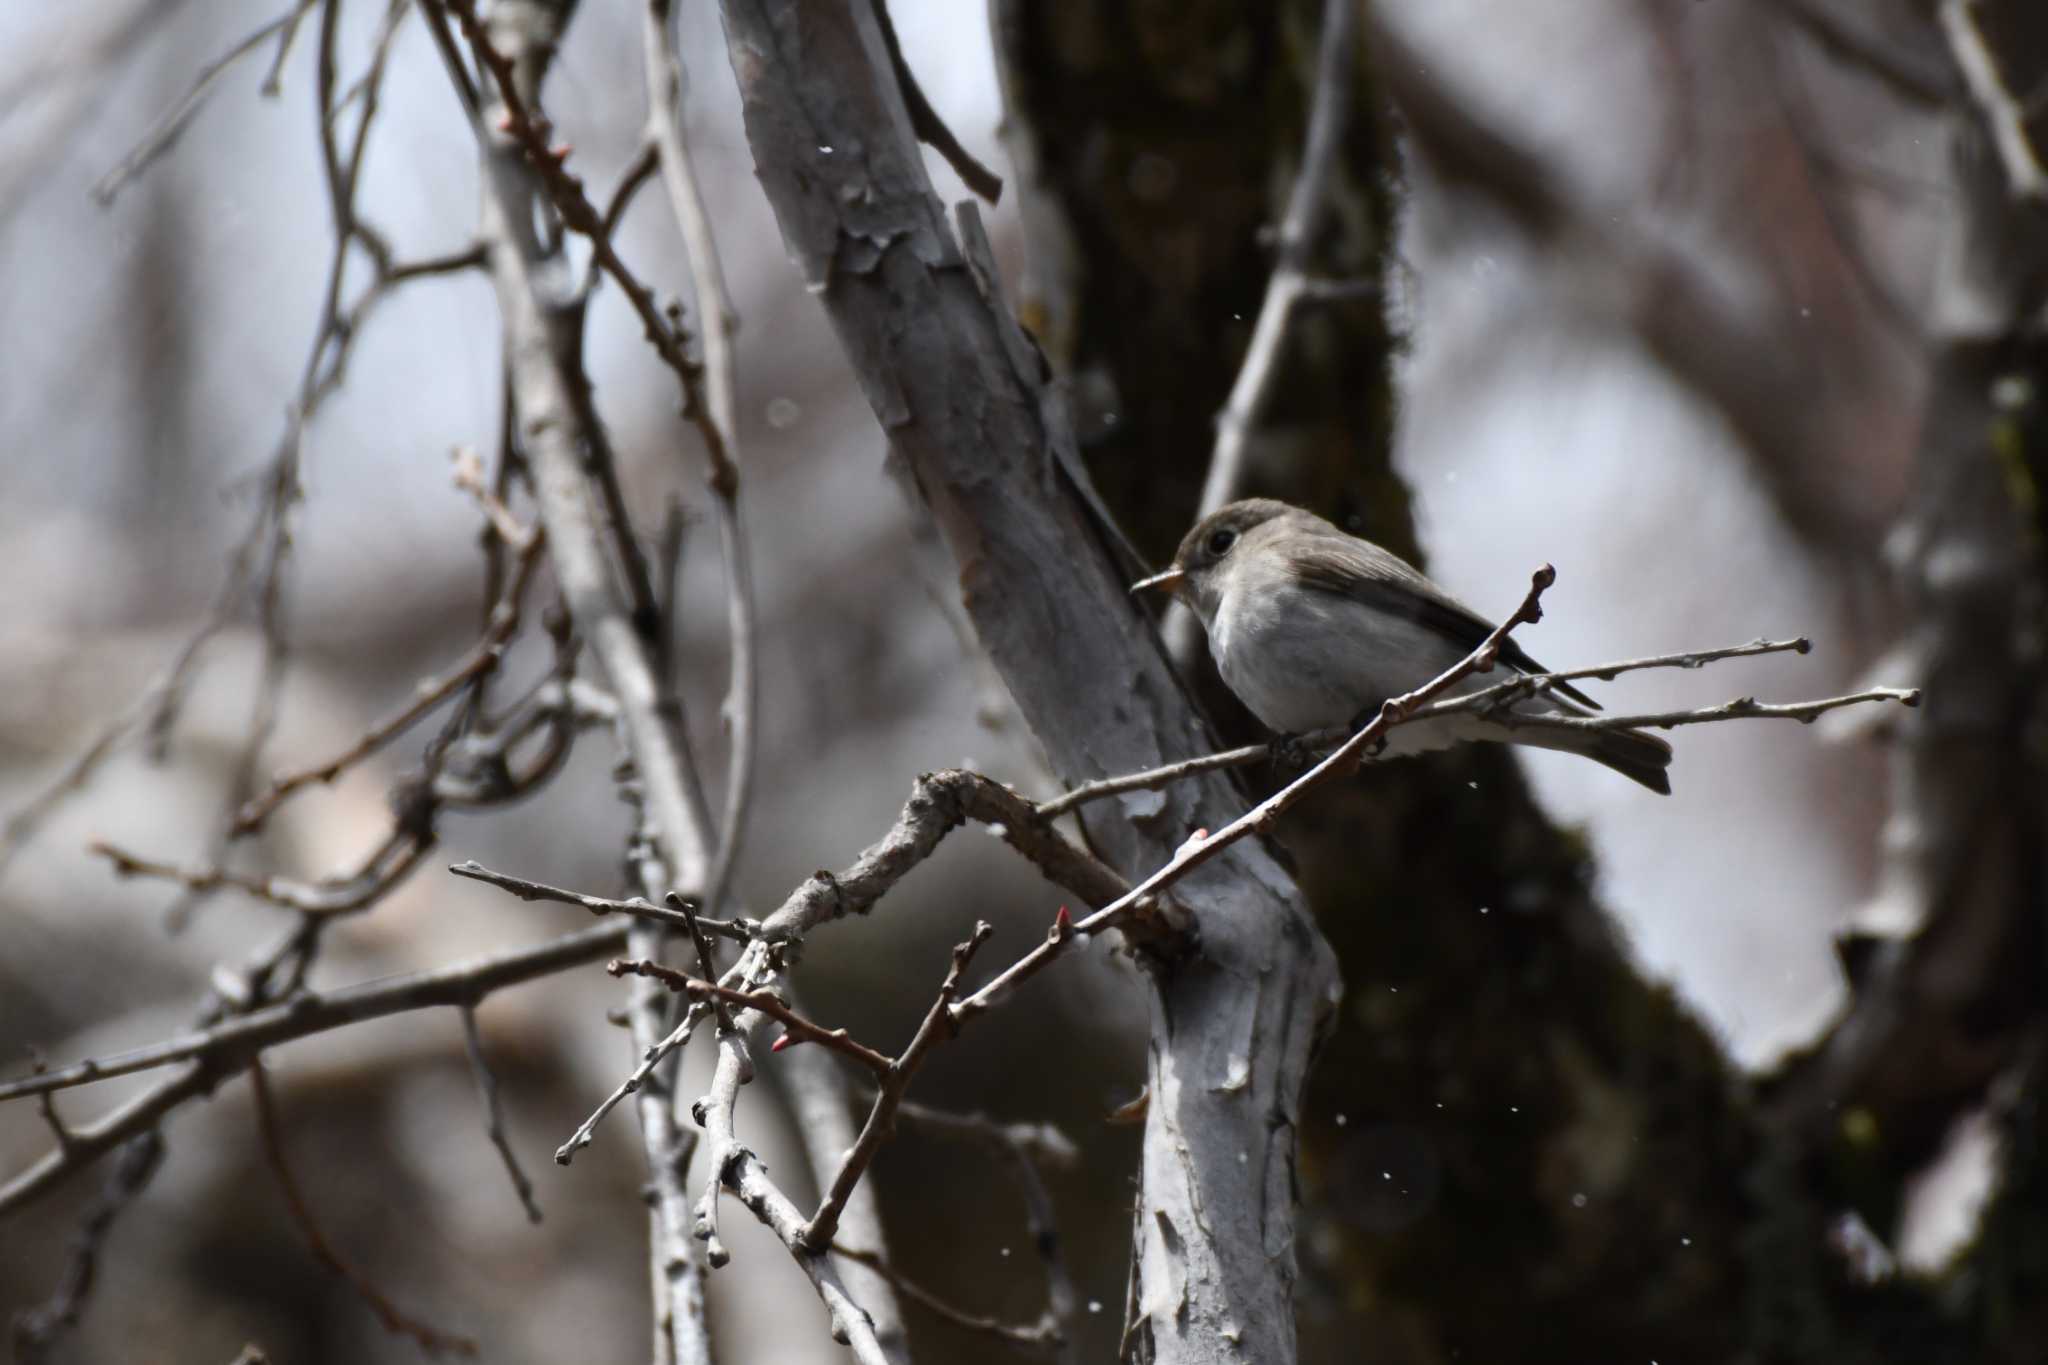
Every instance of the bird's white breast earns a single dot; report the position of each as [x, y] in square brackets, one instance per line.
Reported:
[1302, 659]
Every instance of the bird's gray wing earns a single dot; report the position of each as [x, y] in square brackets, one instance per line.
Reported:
[1369, 575]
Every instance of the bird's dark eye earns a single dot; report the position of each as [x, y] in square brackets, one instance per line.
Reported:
[1221, 541]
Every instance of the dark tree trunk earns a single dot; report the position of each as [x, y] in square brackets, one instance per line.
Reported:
[1515, 1146]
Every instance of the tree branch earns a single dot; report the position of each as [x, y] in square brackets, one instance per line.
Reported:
[635, 907]
[227, 1045]
[543, 321]
[1043, 1337]
[716, 323]
[430, 1339]
[939, 1024]
[800, 1029]
[1493, 701]
[1287, 287]
[2001, 112]
[494, 1114]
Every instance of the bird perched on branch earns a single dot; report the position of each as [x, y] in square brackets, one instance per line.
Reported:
[1312, 628]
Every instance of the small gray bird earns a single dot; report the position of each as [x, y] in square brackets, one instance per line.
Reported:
[1310, 627]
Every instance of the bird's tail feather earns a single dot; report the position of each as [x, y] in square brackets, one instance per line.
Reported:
[1639, 757]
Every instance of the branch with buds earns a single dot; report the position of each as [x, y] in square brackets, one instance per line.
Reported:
[1495, 703]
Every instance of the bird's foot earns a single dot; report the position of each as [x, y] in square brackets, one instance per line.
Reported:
[1292, 753]
[1365, 718]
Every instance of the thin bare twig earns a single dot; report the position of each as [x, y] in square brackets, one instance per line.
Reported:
[273, 79]
[427, 1337]
[164, 132]
[716, 323]
[801, 1029]
[37, 1329]
[531, 130]
[1038, 1143]
[494, 1113]
[716, 319]
[653, 1055]
[47, 1104]
[2002, 114]
[1287, 288]
[1493, 701]
[638, 173]
[452, 263]
[1043, 1337]
[482, 657]
[1330, 106]
[742, 697]
[502, 528]
[1741, 708]
[389, 864]
[706, 962]
[258, 562]
[739, 930]
[938, 804]
[1025, 1147]
[925, 122]
[1527, 684]
[940, 1023]
[228, 1043]
[1242, 756]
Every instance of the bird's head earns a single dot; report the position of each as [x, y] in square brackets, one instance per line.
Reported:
[1206, 551]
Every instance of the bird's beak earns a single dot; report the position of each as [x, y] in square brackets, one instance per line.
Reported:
[1169, 580]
